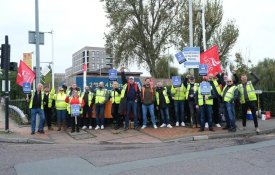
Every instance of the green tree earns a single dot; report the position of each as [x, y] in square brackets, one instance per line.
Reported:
[163, 68]
[140, 30]
[225, 36]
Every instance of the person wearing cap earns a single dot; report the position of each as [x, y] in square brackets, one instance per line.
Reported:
[75, 100]
[132, 94]
[101, 97]
[205, 105]
[87, 97]
[36, 105]
[248, 99]
[230, 93]
[191, 90]
[61, 107]
[69, 92]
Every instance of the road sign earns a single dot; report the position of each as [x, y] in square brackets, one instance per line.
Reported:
[32, 38]
[176, 81]
[26, 88]
[192, 56]
[203, 69]
[205, 88]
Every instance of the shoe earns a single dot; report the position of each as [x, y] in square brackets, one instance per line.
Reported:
[143, 126]
[225, 128]
[206, 125]
[211, 129]
[90, 127]
[84, 127]
[177, 123]
[257, 130]
[32, 133]
[125, 129]
[243, 128]
[169, 126]
[116, 127]
[102, 127]
[41, 131]
[50, 129]
[218, 125]
[182, 124]
[72, 131]
[163, 125]
[232, 130]
[136, 128]
[201, 130]
[97, 127]
[155, 126]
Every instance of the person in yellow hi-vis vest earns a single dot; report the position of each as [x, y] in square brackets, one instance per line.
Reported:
[115, 98]
[205, 104]
[48, 108]
[101, 97]
[178, 94]
[248, 99]
[36, 106]
[87, 96]
[61, 107]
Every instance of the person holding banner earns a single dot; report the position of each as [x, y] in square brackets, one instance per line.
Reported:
[36, 106]
[69, 93]
[204, 101]
[115, 99]
[101, 97]
[87, 97]
[230, 93]
[76, 104]
[178, 91]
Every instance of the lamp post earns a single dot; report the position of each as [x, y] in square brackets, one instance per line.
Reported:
[191, 28]
[52, 62]
[37, 42]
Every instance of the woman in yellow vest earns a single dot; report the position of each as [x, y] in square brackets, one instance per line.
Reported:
[230, 93]
[61, 107]
[248, 99]
[205, 104]
[115, 98]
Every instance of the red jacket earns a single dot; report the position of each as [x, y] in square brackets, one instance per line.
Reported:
[74, 101]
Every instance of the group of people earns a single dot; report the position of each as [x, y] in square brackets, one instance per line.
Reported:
[185, 102]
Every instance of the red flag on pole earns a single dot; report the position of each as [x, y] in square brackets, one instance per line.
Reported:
[84, 67]
[25, 74]
[211, 58]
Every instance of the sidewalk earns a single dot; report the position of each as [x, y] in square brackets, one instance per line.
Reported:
[21, 134]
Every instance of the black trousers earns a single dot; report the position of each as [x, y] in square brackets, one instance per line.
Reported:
[216, 111]
[252, 106]
[74, 124]
[48, 116]
[87, 116]
[194, 113]
[116, 116]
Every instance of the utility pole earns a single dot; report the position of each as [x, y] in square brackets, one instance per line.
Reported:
[191, 28]
[37, 42]
[203, 28]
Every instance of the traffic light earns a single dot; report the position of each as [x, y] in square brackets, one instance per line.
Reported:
[13, 66]
[3, 56]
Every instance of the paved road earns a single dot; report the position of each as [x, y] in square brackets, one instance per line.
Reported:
[254, 155]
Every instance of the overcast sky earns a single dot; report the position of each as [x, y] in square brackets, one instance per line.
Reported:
[82, 23]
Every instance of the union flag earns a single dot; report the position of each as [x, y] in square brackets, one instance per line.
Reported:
[25, 74]
[212, 59]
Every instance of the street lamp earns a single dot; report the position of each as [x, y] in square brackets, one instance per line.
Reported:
[52, 62]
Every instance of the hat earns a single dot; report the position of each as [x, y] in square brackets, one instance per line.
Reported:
[191, 77]
[131, 77]
[61, 88]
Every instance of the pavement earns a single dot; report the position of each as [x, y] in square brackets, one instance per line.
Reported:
[21, 134]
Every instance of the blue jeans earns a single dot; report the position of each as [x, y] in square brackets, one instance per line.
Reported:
[230, 115]
[179, 110]
[145, 108]
[206, 111]
[40, 112]
[100, 113]
[131, 107]
[164, 112]
[61, 116]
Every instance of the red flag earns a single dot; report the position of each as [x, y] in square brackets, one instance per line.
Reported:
[211, 58]
[25, 74]
[84, 67]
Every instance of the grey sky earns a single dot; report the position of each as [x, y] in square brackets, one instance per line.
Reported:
[82, 23]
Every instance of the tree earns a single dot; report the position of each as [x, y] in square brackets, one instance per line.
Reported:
[163, 68]
[216, 34]
[140, 30]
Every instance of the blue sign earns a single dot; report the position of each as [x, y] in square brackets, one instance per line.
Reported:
[75, 110]
[26, 88]
[205, 88]
[203, 69]
[192, 56]
[180, 57]
[112, 74]
[176, 81]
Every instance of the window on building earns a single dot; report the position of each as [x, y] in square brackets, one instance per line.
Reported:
[83, 54]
